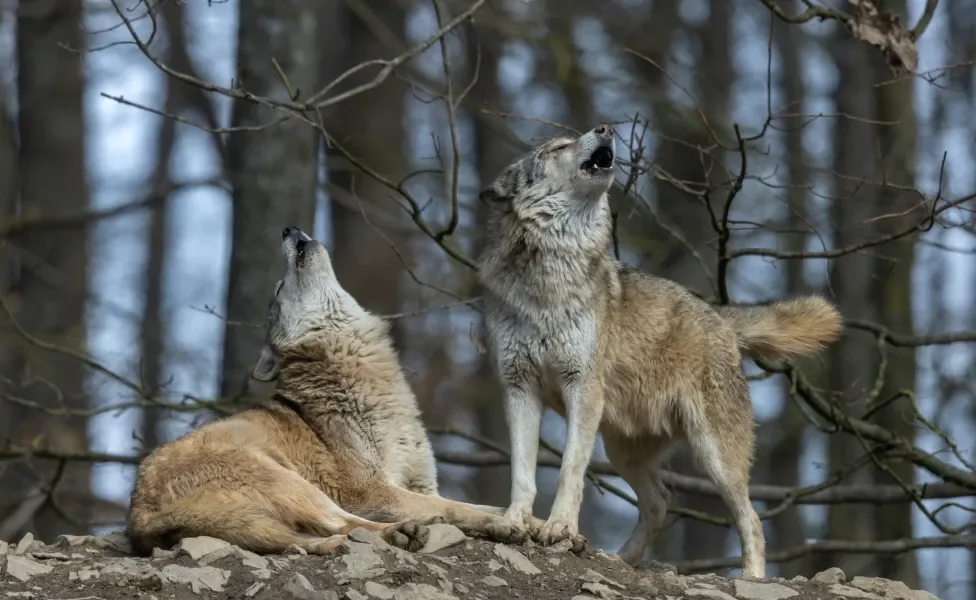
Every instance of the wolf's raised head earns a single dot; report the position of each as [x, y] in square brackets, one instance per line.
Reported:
[306, 302]
[558, 174]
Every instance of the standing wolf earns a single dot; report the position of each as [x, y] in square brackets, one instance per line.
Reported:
[341, 445]
[637, 357]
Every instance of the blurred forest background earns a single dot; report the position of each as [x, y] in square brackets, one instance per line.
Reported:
[143, 188]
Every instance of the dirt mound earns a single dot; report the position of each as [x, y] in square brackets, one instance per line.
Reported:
[450, 567]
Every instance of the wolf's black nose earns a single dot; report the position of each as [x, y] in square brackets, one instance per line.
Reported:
[290, 230]
[603, 129]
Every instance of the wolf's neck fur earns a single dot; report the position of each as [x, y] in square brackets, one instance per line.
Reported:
[547, 259]
[349, 367]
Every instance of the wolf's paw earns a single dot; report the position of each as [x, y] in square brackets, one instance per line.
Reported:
[411, 536]
[535, 525]
[555, 531]
[500, 529]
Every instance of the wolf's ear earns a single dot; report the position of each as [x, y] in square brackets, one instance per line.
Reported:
[504, 188]
[266, 369]
[489, 195]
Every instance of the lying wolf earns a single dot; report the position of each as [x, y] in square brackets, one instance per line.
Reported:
[341, 444]
[638, 357]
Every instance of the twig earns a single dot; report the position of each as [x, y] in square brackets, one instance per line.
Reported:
[449, 102]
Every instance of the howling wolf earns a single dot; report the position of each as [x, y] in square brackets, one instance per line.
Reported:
[339, 446]
[637, 357]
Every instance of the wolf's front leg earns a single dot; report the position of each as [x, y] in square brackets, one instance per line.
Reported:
[583, 398]
[523, 411]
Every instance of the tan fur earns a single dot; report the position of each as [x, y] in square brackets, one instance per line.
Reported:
[637, 357]
[794, 327]
[246, 479]
[341, 445]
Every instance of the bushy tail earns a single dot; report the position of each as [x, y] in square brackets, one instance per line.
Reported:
[788, 328]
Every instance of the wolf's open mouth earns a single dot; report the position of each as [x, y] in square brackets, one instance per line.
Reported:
[601, 159]
[300, 252]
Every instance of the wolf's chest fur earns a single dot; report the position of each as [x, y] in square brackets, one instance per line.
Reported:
[368, 406]
[543, 322]
[546, 284]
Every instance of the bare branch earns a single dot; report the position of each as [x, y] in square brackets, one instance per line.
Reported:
[836, 494]
[820, 546]
[24, 225]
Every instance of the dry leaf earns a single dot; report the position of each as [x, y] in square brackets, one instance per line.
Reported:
[884, 30]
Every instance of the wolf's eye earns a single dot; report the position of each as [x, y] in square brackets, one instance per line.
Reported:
[281, 284]
[560, 147]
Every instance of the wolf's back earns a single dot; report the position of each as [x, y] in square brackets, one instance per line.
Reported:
[789, 328]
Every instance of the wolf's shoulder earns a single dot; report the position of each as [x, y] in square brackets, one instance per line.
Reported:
[636, 282]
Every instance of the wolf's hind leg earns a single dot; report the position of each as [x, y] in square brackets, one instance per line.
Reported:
[723, 447]
[637, 462]
[313, 511]
[260, 506]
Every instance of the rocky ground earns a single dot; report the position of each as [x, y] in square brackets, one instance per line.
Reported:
[449, 567]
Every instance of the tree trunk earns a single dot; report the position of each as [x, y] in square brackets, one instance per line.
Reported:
[786, 451]
[49, 288]
[9, 180]
[564, 66]
[371, 128]
[853, 361]
[274, 171]
[8, 269]
[151, 333]
[891, 290]
[961, 44]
